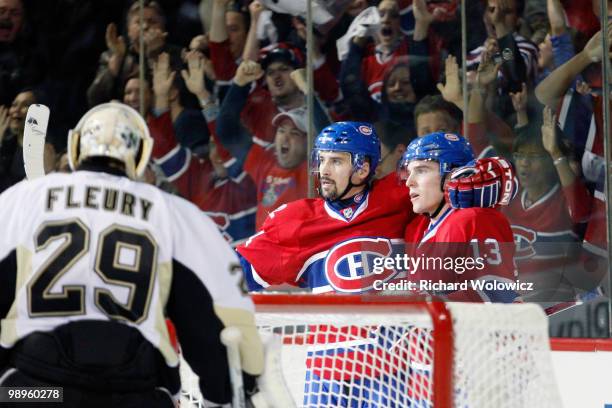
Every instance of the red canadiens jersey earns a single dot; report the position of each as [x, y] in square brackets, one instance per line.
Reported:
[260, 108]
[275, 185]
[543, 232]
[223, 62]
[308, 243]
[257, 116]
[471, 233]
[229, 202]
[374, 66]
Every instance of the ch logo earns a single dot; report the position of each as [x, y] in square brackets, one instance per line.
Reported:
[349, 264]
[524, 239]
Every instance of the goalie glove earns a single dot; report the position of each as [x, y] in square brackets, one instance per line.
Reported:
[488, 182]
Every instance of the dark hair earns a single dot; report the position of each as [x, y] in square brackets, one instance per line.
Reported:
[148, 76]
[528, 135]
[152, 4]
[401, 62]
[238, 7]
[531, 135]
[520, 6]
[392, 134]
[435, 103]
[28, 88]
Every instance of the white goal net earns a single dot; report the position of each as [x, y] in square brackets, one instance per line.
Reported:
[345, 351]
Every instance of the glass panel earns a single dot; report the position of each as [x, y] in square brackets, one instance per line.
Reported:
[225, 97]
[572, 87]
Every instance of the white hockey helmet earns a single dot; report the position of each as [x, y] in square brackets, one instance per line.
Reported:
[112, 130]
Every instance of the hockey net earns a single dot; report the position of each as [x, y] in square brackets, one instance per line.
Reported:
[350, 351]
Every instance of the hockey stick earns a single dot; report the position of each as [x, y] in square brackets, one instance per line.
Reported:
[34, 134]
[230, 337]
[579, 300]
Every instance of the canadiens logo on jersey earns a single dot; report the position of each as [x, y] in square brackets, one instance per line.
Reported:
[524, 239]
[273, 187]
[348, 265]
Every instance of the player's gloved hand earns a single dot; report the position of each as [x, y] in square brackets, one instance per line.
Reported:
[483, 183]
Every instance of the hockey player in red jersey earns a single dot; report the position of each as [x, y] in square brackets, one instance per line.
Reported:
[482, 235]
[329, 243]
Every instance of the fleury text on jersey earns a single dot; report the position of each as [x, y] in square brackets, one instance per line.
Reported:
[96, 197]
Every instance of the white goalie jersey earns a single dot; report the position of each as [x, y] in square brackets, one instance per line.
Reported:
[96, 246]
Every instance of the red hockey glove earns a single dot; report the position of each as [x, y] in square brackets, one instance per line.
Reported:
[488, 182]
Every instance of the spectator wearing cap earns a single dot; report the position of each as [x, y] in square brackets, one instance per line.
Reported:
[256, 103]
[280, 171]
[280, 93]
[255, 106]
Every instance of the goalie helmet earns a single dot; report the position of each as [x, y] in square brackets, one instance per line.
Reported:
[357, 138]
[113, 130]
[449, 149]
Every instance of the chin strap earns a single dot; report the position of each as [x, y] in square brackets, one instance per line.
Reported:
[348, 188]
[441, 205]
[437, 211]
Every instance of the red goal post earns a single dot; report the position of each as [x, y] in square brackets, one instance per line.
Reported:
[389, 351]
[440, 319]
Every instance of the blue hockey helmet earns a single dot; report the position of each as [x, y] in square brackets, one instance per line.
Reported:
[449, 149]
[357, 138]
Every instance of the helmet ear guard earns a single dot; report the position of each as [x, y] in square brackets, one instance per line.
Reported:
[73, 149]
[113, 130]
[143, 156]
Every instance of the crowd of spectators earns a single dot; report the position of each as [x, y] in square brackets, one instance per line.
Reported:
[225, 92]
